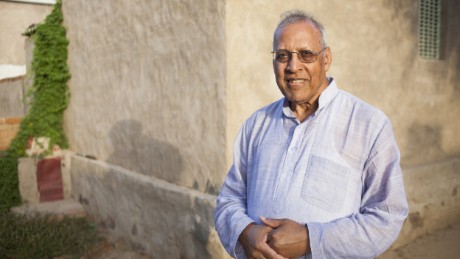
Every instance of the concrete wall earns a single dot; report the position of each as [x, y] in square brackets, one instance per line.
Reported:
[148, 85]
[157, 217]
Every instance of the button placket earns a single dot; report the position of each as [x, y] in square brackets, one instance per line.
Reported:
[287, 169]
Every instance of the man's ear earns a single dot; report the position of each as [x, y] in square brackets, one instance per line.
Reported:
[327, 59]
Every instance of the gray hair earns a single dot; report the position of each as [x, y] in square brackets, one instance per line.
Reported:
[295, 16]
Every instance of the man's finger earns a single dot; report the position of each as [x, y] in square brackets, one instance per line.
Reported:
[274, 223]
[269, 253]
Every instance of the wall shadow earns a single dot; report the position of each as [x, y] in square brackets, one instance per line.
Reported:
[143, 154]
[140, 153]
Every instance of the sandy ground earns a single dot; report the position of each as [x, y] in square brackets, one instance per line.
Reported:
[443, 244]
[109, 247]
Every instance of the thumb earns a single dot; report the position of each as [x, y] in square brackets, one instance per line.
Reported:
[274, 223]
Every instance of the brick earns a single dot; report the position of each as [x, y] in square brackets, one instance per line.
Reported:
[4, 147]
[5, 127]
[5, 142]
[14, 130]
[4, 134]
[12, 134]
[13, 120]
[10, 127]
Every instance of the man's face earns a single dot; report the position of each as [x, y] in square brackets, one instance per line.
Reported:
[298, 81]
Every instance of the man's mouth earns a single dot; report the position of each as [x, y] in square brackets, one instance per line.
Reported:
[295, 82]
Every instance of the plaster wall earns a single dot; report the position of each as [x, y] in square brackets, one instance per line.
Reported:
[161, 219]
[15, 18]
[148, 86]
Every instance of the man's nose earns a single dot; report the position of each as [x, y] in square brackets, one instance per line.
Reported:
[294, 63]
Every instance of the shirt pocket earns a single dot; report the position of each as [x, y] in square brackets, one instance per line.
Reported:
[325, 184]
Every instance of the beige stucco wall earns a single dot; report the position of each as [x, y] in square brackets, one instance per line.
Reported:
[159, 218]
[375, 57]
[148, 85]
[15, 18]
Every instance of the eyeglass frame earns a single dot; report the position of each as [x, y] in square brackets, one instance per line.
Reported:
[316, 54]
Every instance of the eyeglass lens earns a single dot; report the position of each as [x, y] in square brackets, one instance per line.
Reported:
[305, 56]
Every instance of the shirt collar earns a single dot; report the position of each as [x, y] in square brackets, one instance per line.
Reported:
[324, 99]
[328, 94]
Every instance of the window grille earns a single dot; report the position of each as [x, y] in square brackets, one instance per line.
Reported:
[429, 38]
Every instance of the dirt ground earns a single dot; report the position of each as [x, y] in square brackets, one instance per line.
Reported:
[444, 243]
[108, 247]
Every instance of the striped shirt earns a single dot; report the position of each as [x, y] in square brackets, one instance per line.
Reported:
[338, 172]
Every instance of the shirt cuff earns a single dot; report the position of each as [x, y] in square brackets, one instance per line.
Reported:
[237, 247]
[315, 236]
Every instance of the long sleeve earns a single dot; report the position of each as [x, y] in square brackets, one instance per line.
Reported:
[231, 211]
[383, 209]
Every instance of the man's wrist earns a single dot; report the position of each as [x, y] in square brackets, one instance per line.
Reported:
[244, 233]
[308, 239]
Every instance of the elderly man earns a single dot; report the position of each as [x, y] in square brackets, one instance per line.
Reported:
[315, 174]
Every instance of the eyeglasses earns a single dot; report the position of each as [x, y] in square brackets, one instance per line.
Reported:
[304, 55]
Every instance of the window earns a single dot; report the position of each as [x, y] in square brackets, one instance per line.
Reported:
[429, 37]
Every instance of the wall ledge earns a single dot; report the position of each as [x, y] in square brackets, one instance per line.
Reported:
[46, 2]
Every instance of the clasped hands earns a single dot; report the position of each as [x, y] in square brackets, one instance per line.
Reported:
[276, 238]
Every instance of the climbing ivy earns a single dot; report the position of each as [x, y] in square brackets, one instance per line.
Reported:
[49, 97]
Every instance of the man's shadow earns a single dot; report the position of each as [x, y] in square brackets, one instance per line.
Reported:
[143, 154]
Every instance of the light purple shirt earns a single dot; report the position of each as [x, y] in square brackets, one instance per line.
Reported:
[338, 172]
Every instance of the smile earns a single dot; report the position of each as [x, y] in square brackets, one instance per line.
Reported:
[295, 82]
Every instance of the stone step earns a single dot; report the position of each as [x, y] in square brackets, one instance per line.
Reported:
[58, 209]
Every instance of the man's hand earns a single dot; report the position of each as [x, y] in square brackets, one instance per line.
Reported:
[288, 238]
[254, 241]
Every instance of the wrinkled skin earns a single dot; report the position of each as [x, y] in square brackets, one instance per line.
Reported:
[254, 241]
[288, 238]
[301, 83]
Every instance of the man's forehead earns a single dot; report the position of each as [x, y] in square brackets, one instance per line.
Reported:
[290, 31]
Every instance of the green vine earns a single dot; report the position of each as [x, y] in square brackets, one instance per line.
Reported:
[49, 97]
